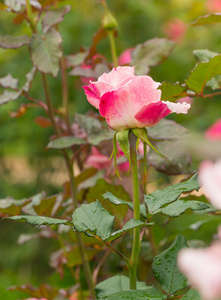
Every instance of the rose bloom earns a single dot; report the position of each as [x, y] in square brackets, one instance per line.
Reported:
[175, 30]
[202, 267]
[130, 101]
[210, 179]
[213, 5]
[213, 133]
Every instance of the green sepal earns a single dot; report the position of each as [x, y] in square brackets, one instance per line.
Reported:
[141, 133]
[123, 141]
[114, 153]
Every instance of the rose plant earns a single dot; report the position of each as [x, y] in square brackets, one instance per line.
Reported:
[102, 225]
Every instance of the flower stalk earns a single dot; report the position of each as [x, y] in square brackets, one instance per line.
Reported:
[136, 203]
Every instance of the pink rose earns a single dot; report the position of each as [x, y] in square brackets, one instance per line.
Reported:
[98, 160]
[175, 29]
[202, 267]
[125, 57]
[210, 179]
[129, 101]
[213, 133]
[213, 5]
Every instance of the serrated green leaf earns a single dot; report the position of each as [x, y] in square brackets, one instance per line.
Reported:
[55, 16]
[159, 198]
[180, 206]
[204, 55]
[165, 267]
[123, 141]
[94, 129]
[46, 51]
[172, 91]
[208, 19]
[10, 206]
[93, 218]
[192, 295]
[65, 142]
[76, 59]
[29, 78]
[115, 284]
[8, 96]
[38, 221]
[167, 130]
[150, 293]
[202, 73]
[132, 223]
[9, 82]
[117, 201]
[150, 53]
[13, 42]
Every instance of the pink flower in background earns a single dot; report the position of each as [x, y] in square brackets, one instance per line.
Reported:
[98, 160]
[210, 179]
[129, 101]
[185, 100]
[175, 30]
[202, 267]
[213, 5]
[213, 133]
[125, 57]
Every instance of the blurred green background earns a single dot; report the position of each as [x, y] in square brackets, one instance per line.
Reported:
[26, 168]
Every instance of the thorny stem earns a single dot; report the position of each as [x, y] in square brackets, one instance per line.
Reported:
[136, 203]
[113, 47]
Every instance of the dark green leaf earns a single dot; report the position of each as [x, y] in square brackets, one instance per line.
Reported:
[65, 142]
[55, 16]
[123, 141]
[13, 42]
[150, 293]
[46, 51]
[132, 223]
[167, 130]
[96, 132]
[180, 206]
[202, 73]
[115, 284]
[165, 267]
[159, 198]
[179, 161]
[93, 218]
[172, 91]
[208, 19]
[76, 59]
[205, 55]
[38, 221]
[9, 82]
[191, 295]
[11, 206]
[8, 96]
[117, 201]
[150, 53]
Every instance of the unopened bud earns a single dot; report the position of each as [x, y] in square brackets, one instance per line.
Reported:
[109, 22]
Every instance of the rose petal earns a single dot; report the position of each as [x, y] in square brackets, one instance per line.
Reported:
[213, 133]
[210, 178]
[120, 106]
[179, 108]
[117, 75]
[152, 113]
[92, 97]
[203, 269]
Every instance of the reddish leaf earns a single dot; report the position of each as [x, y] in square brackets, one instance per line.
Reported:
[43, 122]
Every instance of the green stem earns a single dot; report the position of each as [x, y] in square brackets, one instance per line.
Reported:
[65, 93]
[30, 16]
[69, 166]
[113, 47]
[136, 202]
